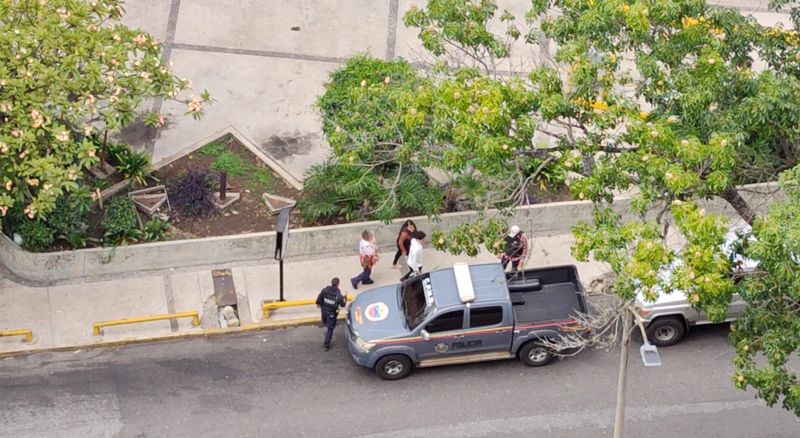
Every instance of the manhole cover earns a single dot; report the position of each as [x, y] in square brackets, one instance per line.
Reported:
[224, 291]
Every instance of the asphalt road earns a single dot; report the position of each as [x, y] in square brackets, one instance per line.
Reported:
[281, 384]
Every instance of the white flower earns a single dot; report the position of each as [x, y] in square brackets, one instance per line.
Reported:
[387, 80]
[363, 82]
[140, 39]
[87, 130]
[3, 147]
[63, 13]
[673, 119]
[89, 100]
[62, 136]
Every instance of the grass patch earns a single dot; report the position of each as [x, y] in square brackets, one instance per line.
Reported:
[214, 149]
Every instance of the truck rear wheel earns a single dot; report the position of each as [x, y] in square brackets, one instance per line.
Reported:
[393, 367]
[666, 331]
[535, 355]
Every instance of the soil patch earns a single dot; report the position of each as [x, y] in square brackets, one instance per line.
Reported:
[247, 174]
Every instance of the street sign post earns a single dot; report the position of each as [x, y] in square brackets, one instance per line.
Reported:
[281, 239]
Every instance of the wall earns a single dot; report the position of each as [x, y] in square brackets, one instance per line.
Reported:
[535, 220]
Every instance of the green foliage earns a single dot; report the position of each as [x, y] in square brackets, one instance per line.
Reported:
[214, 149]
[68, 219]
[68, 69]
[36, 235]
[357, 193]
[120, 223]
[767, 334]
[488, 232]
[656, 96]
[154, 229]
[132, 164]
[231, 163]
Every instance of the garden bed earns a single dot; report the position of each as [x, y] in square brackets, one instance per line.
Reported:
[247, 174]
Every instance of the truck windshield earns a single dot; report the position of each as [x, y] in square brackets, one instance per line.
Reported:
[413, 300]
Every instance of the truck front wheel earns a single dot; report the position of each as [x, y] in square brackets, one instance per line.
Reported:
[535, 355]
[665, 331]
[393, 367]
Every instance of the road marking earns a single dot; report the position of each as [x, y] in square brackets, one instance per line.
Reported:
[601, 418]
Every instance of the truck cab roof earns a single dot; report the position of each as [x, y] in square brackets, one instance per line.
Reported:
[488, 284]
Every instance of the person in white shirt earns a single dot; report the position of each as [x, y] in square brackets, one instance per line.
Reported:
[414, 255]
[367, 256]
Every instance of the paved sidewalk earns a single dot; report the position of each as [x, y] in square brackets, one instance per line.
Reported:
[265, 63]
[61, 315]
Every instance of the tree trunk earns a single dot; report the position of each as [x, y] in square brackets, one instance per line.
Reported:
[739, 204]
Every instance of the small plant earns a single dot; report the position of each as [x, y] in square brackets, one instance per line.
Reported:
[231, 163]
[68, 219]
[155, 229]
[213, 149]
[192, 195]
[132, 164]
[120, 223]
[36, 235]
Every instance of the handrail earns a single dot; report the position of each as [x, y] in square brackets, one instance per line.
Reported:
[98, 326]
[268, 307]
[27, 333]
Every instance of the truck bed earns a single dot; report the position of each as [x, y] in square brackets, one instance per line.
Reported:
[546, 294]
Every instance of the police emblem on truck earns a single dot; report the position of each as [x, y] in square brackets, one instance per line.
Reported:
[440, 348]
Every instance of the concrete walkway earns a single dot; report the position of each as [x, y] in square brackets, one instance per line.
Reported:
[61, 315]
[265, 63]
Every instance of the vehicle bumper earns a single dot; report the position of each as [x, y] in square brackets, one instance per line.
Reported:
[358, 356]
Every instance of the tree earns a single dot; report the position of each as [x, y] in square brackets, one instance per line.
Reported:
[663, 98]
[68, 70]
[767, 334]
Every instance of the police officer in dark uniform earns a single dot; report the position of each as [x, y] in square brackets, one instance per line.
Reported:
[329, 301]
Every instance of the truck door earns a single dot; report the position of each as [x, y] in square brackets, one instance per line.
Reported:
[488, 331]
[442, 331]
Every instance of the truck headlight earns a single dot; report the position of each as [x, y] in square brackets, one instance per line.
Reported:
[362, 345]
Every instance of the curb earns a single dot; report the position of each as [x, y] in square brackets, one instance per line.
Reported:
[209, 332]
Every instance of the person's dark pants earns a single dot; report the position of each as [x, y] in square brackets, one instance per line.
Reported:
[362, 277]
[329, 321]
[514, 263]
[399, 252]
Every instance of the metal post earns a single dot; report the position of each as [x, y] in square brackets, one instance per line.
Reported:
[280, 269]
[223, 185]
[619, 414]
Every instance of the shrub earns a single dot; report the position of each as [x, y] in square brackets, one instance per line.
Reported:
[36, 235]
[131, 164]
[68, 219]
[155, 229]
[231, 163]
[192, 195]
[120, 222]
[358, 193]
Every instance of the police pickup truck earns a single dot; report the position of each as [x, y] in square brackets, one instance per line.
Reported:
[467, 313]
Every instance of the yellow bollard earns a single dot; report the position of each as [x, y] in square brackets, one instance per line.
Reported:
[98, 326]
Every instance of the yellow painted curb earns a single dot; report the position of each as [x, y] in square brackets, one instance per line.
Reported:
[266, 325]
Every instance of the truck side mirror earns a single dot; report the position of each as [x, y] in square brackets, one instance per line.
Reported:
[425, 335]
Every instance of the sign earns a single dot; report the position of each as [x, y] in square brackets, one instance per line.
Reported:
[282, 233]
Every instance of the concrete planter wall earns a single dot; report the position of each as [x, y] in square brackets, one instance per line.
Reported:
[535, 220]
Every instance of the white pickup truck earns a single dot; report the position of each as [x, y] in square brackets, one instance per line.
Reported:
[669, 317]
